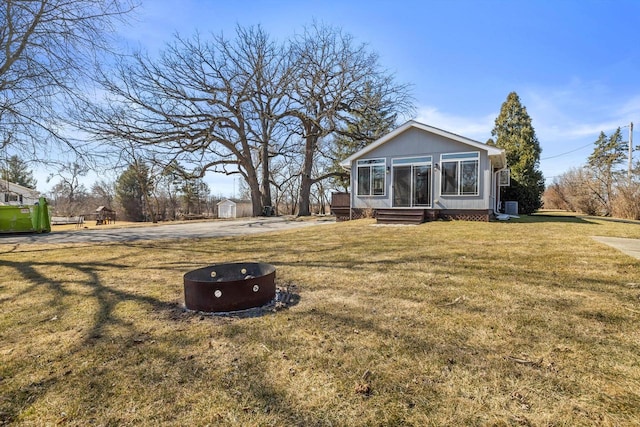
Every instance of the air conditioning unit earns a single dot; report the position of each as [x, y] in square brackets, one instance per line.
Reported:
[511, 208]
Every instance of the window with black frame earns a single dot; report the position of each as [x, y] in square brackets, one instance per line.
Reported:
[460, 174]
[371, 176]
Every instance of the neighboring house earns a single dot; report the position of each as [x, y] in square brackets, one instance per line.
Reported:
[418, 173]
[13, 194]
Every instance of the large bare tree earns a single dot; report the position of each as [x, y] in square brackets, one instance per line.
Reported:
[47, 48]
[333, 84]
[234, 105]
[213, 105]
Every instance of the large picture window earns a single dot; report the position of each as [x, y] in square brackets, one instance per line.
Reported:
[460, 174]
[371, 175]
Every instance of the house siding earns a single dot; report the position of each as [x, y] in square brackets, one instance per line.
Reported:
[10, 191]
[414, 143]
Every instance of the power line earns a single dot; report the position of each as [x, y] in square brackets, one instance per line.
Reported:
[568, 152]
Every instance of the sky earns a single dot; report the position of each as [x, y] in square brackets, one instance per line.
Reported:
[574, 63]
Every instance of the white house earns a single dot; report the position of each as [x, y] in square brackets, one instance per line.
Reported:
[418, 172]
[13, 194]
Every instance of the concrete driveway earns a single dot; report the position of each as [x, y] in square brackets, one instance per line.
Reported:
[630, 247]
[189, 230]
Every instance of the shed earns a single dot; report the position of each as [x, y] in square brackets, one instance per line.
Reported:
[227, 209]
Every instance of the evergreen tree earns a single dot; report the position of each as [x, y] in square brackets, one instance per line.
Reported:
[375, 118]
[513, 132]
[194, 192]
[608, 153]
[17, 172]
[133, 190]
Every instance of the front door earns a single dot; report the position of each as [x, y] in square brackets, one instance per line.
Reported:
[411, 185]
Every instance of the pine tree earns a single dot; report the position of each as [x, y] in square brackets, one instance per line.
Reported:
[133, 190]
[608, 153]
[513, 132]
[16, 171]
[375, 118]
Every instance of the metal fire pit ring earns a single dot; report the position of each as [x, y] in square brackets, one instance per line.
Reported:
[230, 287]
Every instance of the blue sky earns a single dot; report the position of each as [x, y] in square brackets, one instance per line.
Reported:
[574, 64]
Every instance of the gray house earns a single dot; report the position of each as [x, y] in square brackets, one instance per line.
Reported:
[418, 173]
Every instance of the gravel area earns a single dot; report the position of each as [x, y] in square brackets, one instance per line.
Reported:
[168, 231]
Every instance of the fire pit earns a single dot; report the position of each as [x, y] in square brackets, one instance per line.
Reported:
[229, 287]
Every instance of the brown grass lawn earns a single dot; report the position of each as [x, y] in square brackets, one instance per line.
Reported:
[527, 322]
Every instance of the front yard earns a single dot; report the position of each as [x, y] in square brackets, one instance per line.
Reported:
[527, 322]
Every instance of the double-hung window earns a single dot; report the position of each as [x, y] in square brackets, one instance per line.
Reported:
[371, 174]
[460, 174]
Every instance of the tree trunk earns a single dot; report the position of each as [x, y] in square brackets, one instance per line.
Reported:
[266, 185]
[254, 188]
[304, 204]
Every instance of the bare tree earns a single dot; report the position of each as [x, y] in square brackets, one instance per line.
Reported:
[47, 48]
[232, 106]
[332, 75]
[210, 104]
[285, 178]
[103, 193]
[69, 193]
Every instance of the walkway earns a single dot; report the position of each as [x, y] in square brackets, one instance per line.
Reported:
[630, 247]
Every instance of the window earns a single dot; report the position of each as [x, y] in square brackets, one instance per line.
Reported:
[12, 197]
[460, 174]
[371, 176]
[504, 177]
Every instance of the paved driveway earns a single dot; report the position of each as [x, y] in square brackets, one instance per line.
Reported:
[167, 231]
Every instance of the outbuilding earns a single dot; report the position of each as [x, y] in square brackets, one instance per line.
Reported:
[227, 209]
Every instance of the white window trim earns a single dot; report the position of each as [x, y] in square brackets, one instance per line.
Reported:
[506, 172]
[399, 159]
[423, 163]
[384, 186]
[459, 172]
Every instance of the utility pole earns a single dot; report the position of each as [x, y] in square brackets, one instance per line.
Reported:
[630, 150]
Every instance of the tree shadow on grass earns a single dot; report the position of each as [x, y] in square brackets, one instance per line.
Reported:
[548, 218]
[59, 294]
[84, 281]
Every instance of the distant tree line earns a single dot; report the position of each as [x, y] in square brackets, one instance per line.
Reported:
[603, 186]
[138, 194]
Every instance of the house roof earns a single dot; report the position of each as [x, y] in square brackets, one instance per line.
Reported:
[498, 154]
[17, 188]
